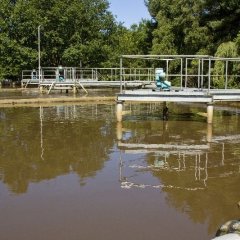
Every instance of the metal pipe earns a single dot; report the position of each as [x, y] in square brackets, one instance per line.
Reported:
[202, 73]
[199, 72]
[167, 69]
[186, 69]
[121, 65]
[226, 75]
[209, 74]
[181, 73]
[39, 54]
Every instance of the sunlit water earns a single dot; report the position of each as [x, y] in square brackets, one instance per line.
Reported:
[73, 172]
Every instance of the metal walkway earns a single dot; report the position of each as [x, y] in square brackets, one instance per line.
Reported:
[194, 78]
[177, 95]
[69, 78]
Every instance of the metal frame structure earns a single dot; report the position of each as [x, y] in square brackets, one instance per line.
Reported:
[203, 70]
[88, 77]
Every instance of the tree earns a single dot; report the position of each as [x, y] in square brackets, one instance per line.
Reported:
[71, 31]
[191, 27]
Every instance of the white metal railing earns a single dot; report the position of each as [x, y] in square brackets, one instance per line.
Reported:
[72, 75]
[199, 71]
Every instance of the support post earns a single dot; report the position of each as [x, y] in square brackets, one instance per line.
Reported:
[74, 89]
[119, 131]
[209, 133]
[165, 111]
[210, 113]
[41, 89]
[119, 109]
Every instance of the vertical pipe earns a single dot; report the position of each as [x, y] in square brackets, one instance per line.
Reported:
[181, 74]
[121, 65]
[39, 54]
[167, 69]
[202, 74]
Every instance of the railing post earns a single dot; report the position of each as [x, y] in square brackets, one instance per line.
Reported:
[181, 74]
[167, 69]
[226, 75]
[199, 72]
[186, 72]
[209, 74]
[202, 73]
[121, 65]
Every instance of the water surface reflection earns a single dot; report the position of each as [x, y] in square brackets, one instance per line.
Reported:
[39, 144]
[72, 172]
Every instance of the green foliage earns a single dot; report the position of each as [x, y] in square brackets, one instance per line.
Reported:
[85, 32]
[208, 27]
[228, 50]
[190, 27]
[72, 32]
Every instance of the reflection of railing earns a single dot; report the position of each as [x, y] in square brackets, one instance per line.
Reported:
[197, 164]
[162, 163]
[189, 161]
[199, 71]
[184, 159]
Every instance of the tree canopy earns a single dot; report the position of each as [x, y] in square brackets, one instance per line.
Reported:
[73, 33]
[191, 27]
[85, 32]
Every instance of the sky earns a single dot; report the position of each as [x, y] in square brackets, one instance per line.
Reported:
[129, 11]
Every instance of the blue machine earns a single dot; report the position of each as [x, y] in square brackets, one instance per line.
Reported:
[60, 74]
[34, 74]
[161, 83]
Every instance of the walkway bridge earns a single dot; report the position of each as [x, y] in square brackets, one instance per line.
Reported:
[70, 78]
[193, 78]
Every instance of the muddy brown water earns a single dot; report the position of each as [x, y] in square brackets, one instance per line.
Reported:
[72, 172]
